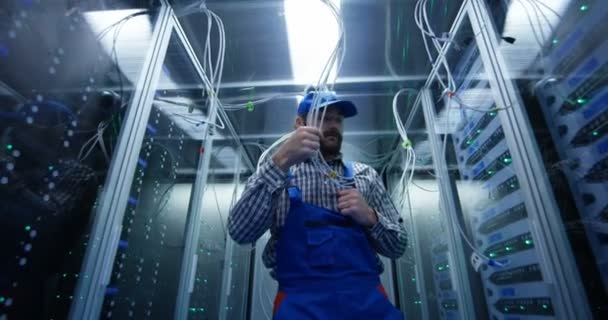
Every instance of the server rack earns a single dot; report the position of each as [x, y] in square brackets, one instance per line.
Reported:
[574, 100]
[532, 273]
[499, 222]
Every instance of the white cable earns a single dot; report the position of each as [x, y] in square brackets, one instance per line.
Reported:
[313, 119]
[274, 145]
[197, 122]
[97, 138]
[532, 26]
[212, 76]
[387, 42]
[420, 16]
[538, 2]
[240, 106]
[407, 175]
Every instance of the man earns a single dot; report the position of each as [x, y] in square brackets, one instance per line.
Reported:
[325, 238]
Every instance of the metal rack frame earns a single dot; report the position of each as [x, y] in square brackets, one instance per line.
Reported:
[105, 233]
[557, 260]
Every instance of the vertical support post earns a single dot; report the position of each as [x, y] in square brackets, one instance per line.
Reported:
[193, 225]
[421, 288]
[230, 245]
[460, 276]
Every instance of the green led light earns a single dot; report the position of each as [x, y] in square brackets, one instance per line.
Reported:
[506, 309]
[512, 185]
[595, 133]
[490, 172]
[492, 255]
[28, 228]
[65, 275]
[508, 248]
[492, 113]
[522, 307]
[413, 279]
[545, 306]
[1, 299]
[528, 242]
[507, 160]
[555, 41]
[469, 141]
[584, 7]
[193, 309]
[581, 100]
[478, 130]
[201, 309]
[440, 268]
[9, 147]
[50, 168]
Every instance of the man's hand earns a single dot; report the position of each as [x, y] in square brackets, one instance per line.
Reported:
[302, 144]
[352, 204]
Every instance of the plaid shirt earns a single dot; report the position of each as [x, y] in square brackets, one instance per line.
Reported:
[265, 204]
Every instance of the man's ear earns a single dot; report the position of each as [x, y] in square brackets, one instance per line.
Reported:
[299, 122]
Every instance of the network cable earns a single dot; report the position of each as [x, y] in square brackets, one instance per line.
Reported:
[422, 21]
[477, 254]
[212, 76]
[410, 157]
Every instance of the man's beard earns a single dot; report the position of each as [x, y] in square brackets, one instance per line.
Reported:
[333, 149]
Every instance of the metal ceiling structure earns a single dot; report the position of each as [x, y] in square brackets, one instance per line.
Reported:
[383, 53]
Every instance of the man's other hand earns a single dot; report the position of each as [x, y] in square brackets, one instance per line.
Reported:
[302, 144]
[352, 204]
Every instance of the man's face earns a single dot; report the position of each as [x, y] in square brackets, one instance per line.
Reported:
[332, 129]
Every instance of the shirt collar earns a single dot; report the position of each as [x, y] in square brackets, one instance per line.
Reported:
[336, 160]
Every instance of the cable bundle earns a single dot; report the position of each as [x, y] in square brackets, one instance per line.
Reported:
[422, 21]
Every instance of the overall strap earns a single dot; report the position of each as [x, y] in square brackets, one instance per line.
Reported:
[349, 173]
[293, 190]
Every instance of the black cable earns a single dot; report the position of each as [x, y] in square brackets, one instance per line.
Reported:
[135, 14]
[219, 211]
[114, 54]
[160, 208]
[422, 188]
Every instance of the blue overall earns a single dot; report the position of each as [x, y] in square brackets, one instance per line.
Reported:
[326, 268]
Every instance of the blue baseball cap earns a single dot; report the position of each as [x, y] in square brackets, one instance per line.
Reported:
[327, 98]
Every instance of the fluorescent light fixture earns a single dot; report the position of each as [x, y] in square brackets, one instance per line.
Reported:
[313, 34]
[522, 14]
[132, 41]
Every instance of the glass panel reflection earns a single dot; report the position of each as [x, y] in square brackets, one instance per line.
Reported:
[493, 221]
[146, 269]
[566, 98]
[65, 82]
